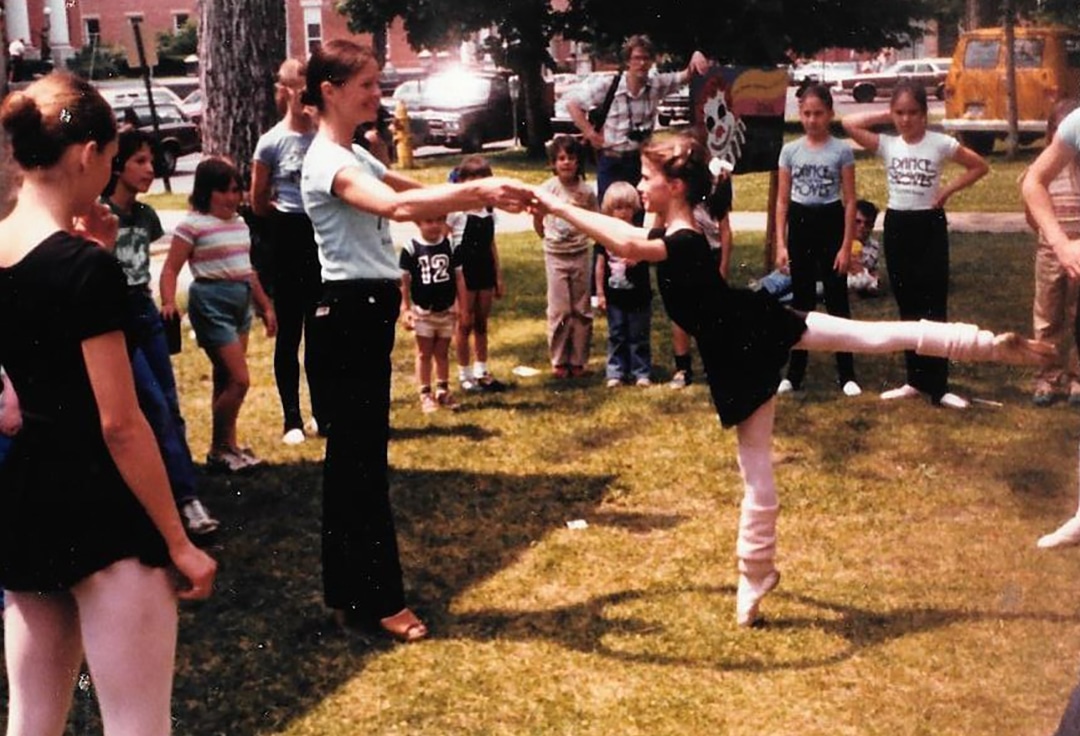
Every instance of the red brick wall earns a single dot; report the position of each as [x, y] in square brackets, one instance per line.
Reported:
[116, 28]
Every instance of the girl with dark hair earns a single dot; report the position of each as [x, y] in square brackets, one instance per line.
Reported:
[916, 236]
[815, 216]
[89, 526]
[155, 384]
[567, 262]
[216, 244]
[349, 196]
[745, 337]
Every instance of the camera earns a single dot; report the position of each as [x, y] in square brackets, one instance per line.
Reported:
[638, 135]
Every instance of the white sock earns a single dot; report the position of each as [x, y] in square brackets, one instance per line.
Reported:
[465, 373]
[479, 368]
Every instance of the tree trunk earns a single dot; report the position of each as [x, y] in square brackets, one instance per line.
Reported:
[1012, 138]
[9, 172]
[241, 45]
[537, 110]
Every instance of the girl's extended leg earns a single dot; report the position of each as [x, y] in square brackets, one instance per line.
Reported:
[953, 340]
[231, 381]
[756, 546]
[43, 653]
[128, 617]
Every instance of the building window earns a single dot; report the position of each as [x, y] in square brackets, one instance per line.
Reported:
[92, 28]
[312, 28]
[179, 21]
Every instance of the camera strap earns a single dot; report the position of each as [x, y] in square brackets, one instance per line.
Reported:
[599, 116]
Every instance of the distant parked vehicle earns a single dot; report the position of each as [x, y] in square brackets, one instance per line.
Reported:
[675, 108]
[135, 94]
[192, 105]
[823, 72]
[176, 135]
[466, 109]
[561, 122]
[1047, 60]
[930, 73]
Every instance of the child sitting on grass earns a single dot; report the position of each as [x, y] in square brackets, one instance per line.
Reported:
[431, 282]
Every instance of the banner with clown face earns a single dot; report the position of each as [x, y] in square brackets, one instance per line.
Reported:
[738, 112]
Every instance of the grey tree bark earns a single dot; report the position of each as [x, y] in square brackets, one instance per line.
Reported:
[241, 45]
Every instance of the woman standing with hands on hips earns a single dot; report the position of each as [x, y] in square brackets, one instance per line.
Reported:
[916, 231]
[350, 197]
[89, 524]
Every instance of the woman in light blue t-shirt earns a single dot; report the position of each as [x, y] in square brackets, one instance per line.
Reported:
[350, 196]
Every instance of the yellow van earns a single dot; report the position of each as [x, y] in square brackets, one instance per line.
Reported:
[1047, 69]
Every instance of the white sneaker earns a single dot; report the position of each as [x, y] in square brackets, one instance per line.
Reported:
[197, 519]
[851, 389]
[907, 391]
[1066, 535]
[294, 436]
[613, 383]
[785, 387]
[952, 401]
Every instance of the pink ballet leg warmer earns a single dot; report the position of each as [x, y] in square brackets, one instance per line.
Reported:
[958, 341]
[756, 550]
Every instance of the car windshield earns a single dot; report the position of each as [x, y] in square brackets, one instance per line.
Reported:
[981, 54]
[454, 90]
[165, 114]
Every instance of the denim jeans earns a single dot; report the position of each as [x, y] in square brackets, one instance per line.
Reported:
[629, 351]
[155, 387]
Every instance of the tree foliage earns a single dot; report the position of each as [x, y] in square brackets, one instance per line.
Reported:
[183, 42]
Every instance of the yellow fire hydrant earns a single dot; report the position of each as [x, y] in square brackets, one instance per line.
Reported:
[403, 136]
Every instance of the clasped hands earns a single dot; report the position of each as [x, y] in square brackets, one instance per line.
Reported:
[515, 196]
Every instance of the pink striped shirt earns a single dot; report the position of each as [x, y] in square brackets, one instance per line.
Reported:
[221, 249]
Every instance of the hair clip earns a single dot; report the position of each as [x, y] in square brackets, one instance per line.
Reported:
[65, 115]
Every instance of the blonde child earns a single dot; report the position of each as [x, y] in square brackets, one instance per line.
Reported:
[431, 283]
[625, 293]
[473, 234]
[567, 255]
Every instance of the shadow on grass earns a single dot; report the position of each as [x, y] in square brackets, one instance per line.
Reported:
[263, 651]
[821, 634]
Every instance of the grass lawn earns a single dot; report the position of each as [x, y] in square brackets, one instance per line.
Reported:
[913, 599]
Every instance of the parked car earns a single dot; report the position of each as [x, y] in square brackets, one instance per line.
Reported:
[176, 135]
[930, 73]
[466, 109]
[822, 72]
[132, 94]
[561, 122]
[192, 105]
[675, 108]
[1047, 60]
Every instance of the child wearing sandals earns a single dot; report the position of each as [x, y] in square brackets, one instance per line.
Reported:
[746, 337]
[216, 244]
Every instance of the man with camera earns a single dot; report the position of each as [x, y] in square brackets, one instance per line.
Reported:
[631, 99]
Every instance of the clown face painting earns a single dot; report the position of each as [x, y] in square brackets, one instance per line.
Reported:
[723, 132]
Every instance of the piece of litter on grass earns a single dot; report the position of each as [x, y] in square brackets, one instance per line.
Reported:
[987, 402]
[577, 524]
[525, 371]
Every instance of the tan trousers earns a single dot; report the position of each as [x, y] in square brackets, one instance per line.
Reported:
[569, 312]
[1053, 318]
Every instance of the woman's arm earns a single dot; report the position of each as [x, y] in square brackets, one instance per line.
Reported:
[261, 189]
[179, 253]
[621, 238]
[364, 192]
[858, 127]
[1036, 190]
[134, 450]
[399, 182]
[975, 168]
[783, 203]
[847, 195]
[727, 239]
[598, 279]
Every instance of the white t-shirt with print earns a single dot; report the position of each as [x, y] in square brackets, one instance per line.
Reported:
[913, 170]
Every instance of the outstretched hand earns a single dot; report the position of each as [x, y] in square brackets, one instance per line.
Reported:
[508, 194]
[542, 202]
